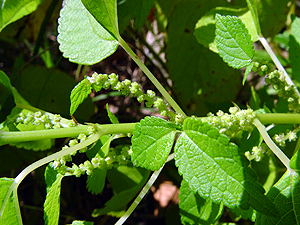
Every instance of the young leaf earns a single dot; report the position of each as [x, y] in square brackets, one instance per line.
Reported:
[216, 169]
[233, 41]
[294, 49]
[82, 39]
[206, 26]
[95, 182]
[152, 142]
[80, 92]
[285, 195]
[113, 119]
[12, 10]
[52, 202]
[105, 12]
[196, 210]
[11, 211]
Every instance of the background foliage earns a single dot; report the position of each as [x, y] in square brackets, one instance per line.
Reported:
[164, 35]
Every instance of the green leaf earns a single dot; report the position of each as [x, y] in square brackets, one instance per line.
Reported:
[248, 70]
[294, 48]
[233, 41]
[273, 15]
[253, 9]
[52, 202]
[133, 9]
[196, 210]
[152, 141]
[79, 222]
[95, 182]
[49, 90]
[105, 12]
[206, 26]
[82, 39]
[188, 60]
[129, 176]
[124, 194]
[11, 212]
[12, 10]
[216, 169]
[79, 93]
[285, 195]
[113, 119]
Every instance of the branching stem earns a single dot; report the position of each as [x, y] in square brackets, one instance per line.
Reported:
[280, 155]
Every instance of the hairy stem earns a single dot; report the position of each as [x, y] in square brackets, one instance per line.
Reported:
[269, 50]
[279, 118]
[280, 155]
[151, 77]
[143, 192]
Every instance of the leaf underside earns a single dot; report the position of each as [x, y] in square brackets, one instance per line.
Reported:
[82, 39]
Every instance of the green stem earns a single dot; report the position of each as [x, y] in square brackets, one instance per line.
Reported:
[279, 118]
[280, 155]
[64, 132]
[22, 136]
[151, 77]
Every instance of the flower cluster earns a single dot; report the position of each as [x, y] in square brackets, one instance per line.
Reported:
[38, 118]
[230, 124]
[280, 139]
[126, 87]
[262, 69]
[257, 153]
[116, 157]
[286, 91]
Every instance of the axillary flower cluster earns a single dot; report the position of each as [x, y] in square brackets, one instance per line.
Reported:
[126, 87]
[232, 123]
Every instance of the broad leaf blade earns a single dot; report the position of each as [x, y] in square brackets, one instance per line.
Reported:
[12, 10]
[285, 195]
[124, 194]
[196, 210]
[95, 182]
[233, 41]
[152, 141]
[11, 213]
[133, 9]
[52, 202]
[79, 93]
[216, 169]
[82, 39]
[105, 12]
